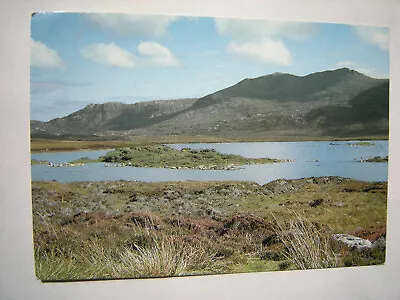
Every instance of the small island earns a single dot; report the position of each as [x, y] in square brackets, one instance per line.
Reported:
[377, 159]
[39, 162]
[162, 156]
[362, 143]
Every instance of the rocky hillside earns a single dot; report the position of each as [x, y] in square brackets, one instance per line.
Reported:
[276, 105]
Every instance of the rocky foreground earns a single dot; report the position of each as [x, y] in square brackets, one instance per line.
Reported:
[233, 223]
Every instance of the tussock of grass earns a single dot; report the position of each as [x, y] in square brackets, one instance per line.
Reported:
[168, 258]
[161, 256]
[306, 245]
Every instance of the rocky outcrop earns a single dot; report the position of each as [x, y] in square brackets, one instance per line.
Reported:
[353, 242]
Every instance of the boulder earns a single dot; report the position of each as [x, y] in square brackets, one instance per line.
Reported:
[353, 241]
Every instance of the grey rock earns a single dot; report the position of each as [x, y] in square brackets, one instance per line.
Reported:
[353, 241]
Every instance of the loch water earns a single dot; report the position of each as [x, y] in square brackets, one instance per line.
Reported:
[308, 159]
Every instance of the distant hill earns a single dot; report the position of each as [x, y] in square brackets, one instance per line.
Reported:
[331, 103]
[112, 116]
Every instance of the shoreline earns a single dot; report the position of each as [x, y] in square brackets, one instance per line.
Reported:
[222, 181]
[38, 145]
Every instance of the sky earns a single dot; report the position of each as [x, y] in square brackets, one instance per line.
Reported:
[79, 59]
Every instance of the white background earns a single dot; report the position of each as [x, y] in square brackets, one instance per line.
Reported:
[17, 280]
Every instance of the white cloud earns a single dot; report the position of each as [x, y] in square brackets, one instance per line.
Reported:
[371, 72]
[267, 51]
[261, 40]
[132, 24]
[44, 57]
[240, 29]
[150, 53]
[373, 35]
[110, 54]
[156, 54]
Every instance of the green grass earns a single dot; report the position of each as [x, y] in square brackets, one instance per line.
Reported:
[254, 264]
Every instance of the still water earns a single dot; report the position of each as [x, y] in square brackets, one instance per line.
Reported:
[309, 159]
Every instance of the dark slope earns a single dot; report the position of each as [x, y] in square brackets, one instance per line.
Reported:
[367, 113]
[373, 104]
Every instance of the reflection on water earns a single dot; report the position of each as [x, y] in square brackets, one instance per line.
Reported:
[310, 159]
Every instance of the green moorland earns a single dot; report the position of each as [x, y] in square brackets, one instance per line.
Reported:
[122, 229]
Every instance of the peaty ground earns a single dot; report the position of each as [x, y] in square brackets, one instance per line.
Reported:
[121, 229]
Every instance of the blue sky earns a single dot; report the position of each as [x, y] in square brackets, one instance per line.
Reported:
[78, 59]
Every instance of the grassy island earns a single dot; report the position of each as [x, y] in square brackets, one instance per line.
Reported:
[162, 156]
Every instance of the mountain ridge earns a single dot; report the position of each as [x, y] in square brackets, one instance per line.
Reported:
[289, 87]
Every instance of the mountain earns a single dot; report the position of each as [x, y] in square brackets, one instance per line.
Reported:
[337, 86]
[330, 103]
